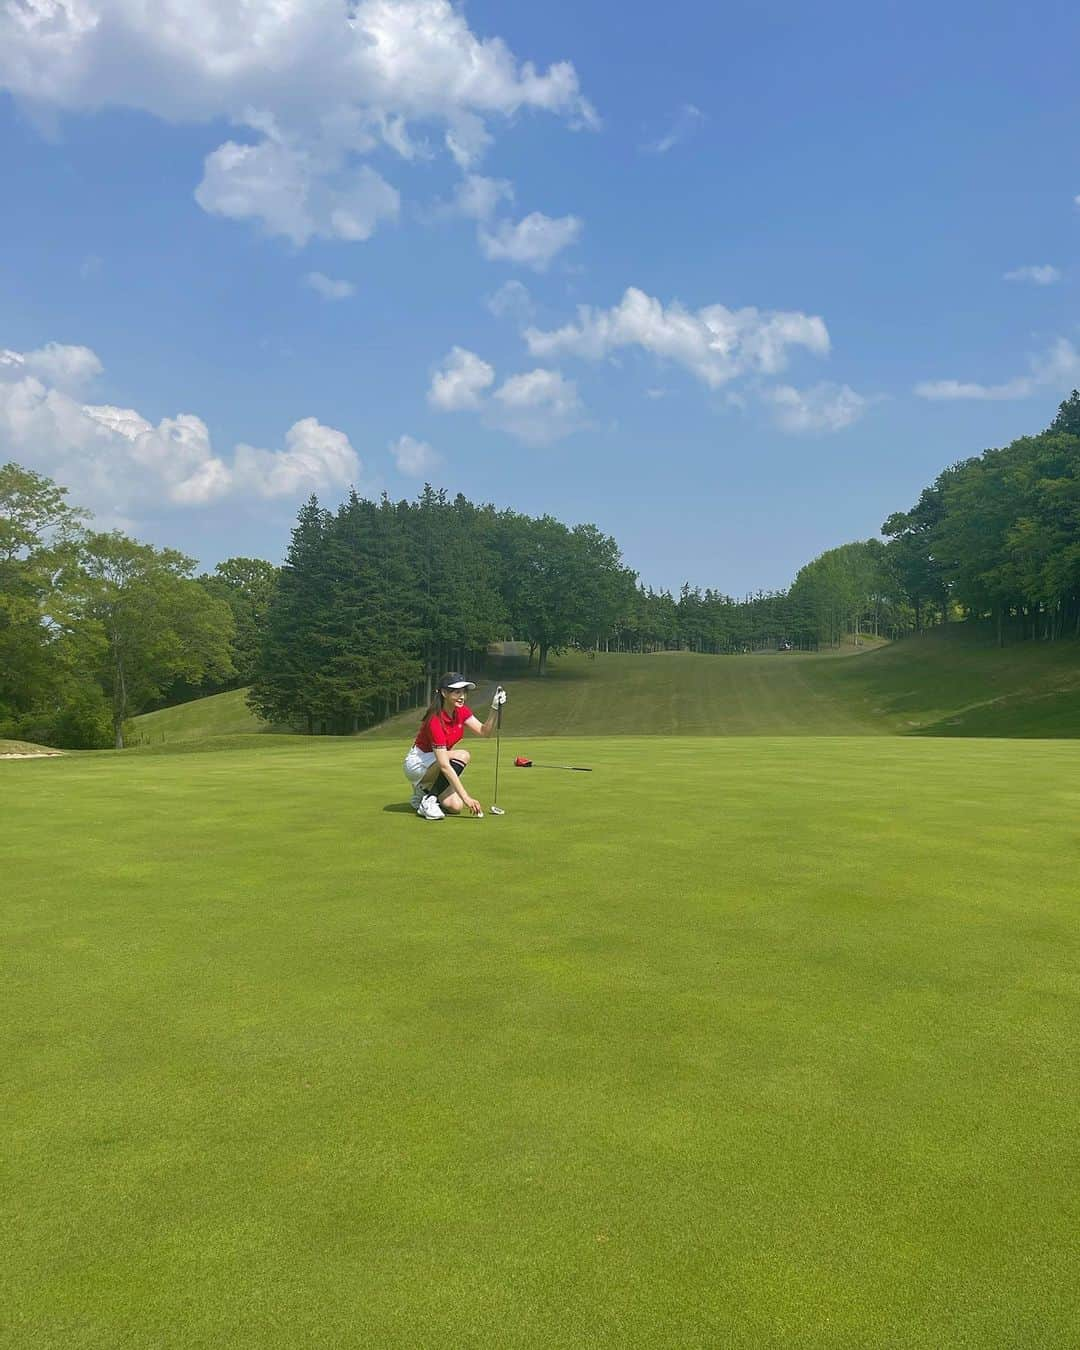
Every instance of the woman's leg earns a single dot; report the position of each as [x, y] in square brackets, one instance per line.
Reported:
[440, 785]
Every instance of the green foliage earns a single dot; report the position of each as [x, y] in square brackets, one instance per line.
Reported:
[153, 621]
[561, 585]
[247, 586]
[82, 722]
[999, 535]
[38, 546]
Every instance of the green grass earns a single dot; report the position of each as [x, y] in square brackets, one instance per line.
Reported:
[218, 715]
[743, 1043]
[954, 682]
[951, 682]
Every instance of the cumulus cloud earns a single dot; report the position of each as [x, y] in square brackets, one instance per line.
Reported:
[537, 407]
[414, 458]
[1039, 274]
[823, 407]
[328, 288]
[296, 192]
[70, 368]
[511, 301]
[314, 456]
[318, 82]
[686, 122]
[715, 344]
[533, 241]
[116, 460]
[460, 382]
[1058, 367]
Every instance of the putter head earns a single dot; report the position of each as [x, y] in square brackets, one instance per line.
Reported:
[497, 811]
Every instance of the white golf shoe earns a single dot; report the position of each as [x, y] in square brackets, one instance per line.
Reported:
[429, 809]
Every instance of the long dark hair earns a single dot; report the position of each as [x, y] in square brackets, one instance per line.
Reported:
[433, 707]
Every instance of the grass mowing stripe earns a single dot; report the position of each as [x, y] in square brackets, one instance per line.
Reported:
[754, 1043]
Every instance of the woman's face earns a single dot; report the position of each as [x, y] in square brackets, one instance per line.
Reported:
[452, 699]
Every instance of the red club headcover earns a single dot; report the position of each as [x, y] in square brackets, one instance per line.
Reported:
[522, 763]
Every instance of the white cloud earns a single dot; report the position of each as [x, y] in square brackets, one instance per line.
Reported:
[946, 390]
[414, 458]
[328, 288]
[537, 407]
[315, 456]
[296, 192]
[823, 407]
[320, 81]
[114, 459]
[1039, 274]
[460, 382]
[686, 122]
[69, 368]
[1058, 367]
[478, 198]
[715, 343]
[533, 241]
[511, 301]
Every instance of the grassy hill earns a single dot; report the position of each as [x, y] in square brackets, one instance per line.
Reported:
[219, 715]
[949, 682]
[952, 682]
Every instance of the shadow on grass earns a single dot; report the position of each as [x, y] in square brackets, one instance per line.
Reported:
[1051, 716]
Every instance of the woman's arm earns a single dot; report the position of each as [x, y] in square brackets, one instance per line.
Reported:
[488, 728]
[483, 728]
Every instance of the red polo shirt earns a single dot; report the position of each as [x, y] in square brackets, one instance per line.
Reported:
[443, 729]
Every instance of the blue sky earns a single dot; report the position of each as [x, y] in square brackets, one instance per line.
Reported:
[734, 282]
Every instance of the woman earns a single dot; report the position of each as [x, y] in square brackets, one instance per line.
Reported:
[434, 764]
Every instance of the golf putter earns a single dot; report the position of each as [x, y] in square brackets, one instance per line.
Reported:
[497, 810]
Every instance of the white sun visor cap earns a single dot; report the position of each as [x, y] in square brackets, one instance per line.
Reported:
[452, 680]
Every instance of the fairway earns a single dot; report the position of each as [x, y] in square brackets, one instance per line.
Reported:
[755, 1043]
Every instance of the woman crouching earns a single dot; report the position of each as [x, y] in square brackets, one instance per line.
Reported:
[435, 762]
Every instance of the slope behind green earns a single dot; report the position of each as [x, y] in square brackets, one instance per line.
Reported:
[218, 715]
[950, 682]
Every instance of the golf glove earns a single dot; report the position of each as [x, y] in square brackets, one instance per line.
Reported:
[498, 699]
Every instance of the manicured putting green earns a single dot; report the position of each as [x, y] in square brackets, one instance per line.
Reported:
[747, 1043]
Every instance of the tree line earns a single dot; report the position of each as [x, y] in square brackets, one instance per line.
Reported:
[375, 598]
[96, 627]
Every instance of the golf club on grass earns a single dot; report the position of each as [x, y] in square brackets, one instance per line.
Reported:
[522, 763]
[497, 810]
